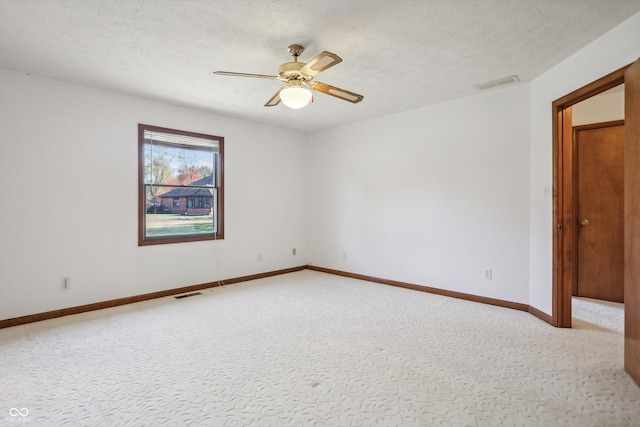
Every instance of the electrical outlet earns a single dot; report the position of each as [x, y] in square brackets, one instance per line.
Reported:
[293, 252]
[486, 273]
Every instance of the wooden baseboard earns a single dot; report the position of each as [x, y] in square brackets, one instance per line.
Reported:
[137, 298]
[542, 315]
[446, 293]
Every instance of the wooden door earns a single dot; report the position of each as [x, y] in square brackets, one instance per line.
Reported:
[599, 152]
[632, 222]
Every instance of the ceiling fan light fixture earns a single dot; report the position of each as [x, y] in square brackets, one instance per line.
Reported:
[295, 97]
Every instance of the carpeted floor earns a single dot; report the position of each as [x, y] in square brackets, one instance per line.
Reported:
[312, 349]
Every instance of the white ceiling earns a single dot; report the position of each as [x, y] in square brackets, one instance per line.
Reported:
[400, 54]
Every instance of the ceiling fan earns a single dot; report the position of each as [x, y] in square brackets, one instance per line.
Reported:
[298, 76]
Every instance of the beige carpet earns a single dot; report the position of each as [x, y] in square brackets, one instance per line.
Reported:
[311, 349]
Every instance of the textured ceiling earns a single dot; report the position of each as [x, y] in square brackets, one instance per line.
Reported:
[399, 54]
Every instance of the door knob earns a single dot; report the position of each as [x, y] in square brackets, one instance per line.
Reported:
[584, 222]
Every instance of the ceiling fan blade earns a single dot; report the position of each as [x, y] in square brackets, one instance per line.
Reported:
[336, 91]
[228, 73]
[275, 100]
[320, 63]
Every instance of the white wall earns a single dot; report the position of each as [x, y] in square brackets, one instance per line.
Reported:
[429, 196]
[610, 52]
[606, 107]
[68, 173]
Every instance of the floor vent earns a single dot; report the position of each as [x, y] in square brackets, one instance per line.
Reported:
[496, 83]
[188, 295]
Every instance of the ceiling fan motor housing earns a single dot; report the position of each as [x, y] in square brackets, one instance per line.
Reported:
[291, 71]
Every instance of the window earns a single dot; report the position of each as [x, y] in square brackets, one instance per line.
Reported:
[198, 202]
[180, 186]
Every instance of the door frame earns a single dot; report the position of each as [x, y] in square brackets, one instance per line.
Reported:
[565, 261]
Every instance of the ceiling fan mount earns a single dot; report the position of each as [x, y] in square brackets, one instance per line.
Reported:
[297, 74]
[295, 50]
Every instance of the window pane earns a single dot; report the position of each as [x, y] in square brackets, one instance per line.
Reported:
[167, 164]
[180, 211]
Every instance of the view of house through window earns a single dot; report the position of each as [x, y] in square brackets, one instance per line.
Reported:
[180, 186]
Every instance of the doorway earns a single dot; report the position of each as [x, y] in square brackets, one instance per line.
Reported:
[565, 213]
